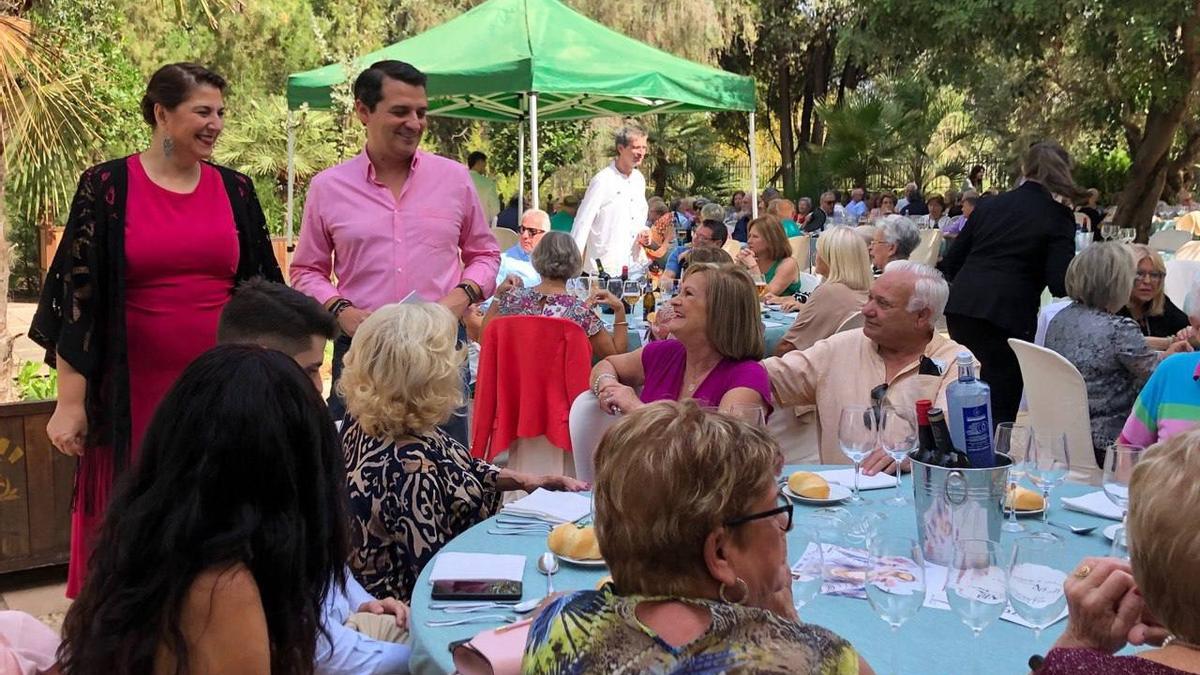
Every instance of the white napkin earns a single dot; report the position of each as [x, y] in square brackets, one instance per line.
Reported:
[1095, 503]
[935, 596]
[554, 507]
[470, 566]
[845, 477]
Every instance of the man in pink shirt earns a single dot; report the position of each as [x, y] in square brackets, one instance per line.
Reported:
[392, 221]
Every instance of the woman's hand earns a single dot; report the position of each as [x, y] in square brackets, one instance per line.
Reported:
[558, 484]
[510, 282]
[747, 258]
[1104, 605]
[388, 606]
[68, 428]
[616, 397]
[607, 299]
[1179, 347]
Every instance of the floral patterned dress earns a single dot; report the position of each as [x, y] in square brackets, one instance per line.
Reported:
[409, 497]
[528, 302]
[598, 632]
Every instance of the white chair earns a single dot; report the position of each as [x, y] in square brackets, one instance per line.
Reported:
[853, 321]
[1169, 240]
[1189, 222]
[732, 247]
[505, 237]
[1189, 251]
[800, 246]
[1058, 403]
[588, 424]
[927, 251]
[808, 282]
[1181, 277]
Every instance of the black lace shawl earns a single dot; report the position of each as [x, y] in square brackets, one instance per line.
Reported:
[81, 313]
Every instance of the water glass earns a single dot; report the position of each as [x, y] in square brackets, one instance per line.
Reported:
[1119, 462]
[750, 414]
[579, 288]
[1035, 580]
[895, 582]
[1046, 464]
[976, 586]
[808, 572]
[858, 434]
[897, 437]
[1012, 439]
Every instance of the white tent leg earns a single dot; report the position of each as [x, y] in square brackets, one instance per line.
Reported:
[533, 152]
[291, 177]
[753, 172]
[520, 171]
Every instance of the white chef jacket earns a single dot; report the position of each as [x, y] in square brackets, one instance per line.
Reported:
[611, 215]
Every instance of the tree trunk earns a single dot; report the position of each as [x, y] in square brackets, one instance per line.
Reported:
[787, 142]
[1181, 165]
[6, 341]
[659, 175]
[824, 70]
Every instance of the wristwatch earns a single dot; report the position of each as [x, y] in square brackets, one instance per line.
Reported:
[340, 305]
[472, 295]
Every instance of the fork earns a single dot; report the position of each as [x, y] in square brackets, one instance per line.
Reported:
[481, 618]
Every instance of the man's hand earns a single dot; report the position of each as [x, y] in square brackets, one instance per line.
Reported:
[456, 301]
[350, 319]
[880, 461]
[388, 606]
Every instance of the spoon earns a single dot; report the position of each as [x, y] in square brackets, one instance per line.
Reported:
[1076, 530]
[482, 618]
[548, 565]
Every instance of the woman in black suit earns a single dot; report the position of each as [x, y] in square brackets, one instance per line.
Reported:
[1013, 246]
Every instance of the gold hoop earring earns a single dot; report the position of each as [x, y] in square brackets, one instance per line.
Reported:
[745, 592]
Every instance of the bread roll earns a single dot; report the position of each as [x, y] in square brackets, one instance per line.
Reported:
[573, 541]
[1026, 500]
[808, 484]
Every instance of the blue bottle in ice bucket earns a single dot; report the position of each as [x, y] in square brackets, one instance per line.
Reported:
[969, 406]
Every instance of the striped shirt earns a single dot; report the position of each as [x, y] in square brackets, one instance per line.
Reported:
[1169, 403]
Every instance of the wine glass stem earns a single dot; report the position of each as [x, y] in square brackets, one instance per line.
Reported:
[1012, 508]
[1045, 505]
[856, 465]
[975, 655]
[895, 649]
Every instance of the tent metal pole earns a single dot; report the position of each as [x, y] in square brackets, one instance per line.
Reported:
[291, 178]
[753, 172]
[520, 171]
[533, 151]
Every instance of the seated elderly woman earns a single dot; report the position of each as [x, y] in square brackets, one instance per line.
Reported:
[714, 361]
[970, 200]
[896, 237]
[1107, 349]
[401, 381]
[1152, 599]
[768, 255]
[556, 259]
[697, 548]
[884, 205]
[1158, 318]
[936, 218]
[842, 261]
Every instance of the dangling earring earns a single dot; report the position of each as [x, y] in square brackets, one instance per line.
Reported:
[168, 146]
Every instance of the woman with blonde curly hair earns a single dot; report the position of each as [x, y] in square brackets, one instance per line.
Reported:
[412, 487]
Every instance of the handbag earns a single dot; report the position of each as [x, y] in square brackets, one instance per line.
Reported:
[496, 651]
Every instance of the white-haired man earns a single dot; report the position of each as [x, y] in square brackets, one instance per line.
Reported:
[611, 221]
[516, 261]
[897, 357]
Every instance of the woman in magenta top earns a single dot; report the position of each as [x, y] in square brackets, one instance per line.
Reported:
[153, 247]
[712, 356]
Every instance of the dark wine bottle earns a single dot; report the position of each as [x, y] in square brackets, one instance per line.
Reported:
[648, 303]
[926, 448]
[949, 456]
[604, 277]
[625, 303]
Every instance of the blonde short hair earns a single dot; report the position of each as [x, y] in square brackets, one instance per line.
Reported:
[402, 374]
[771, 230]
[1158, 303]
[1164, 544]
[845, 252]
[734, 326]
[1101, 276]
[695, 470]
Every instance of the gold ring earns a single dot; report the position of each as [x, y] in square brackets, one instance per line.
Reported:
[1082, 572]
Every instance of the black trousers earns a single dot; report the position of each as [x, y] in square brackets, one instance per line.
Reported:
[997, 363]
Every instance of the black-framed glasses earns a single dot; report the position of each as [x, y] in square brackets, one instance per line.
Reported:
[531, 231]
[785, 507]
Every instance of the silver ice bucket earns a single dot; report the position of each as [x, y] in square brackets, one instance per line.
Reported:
[954, 504]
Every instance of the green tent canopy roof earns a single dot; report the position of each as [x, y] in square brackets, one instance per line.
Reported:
[481, 64]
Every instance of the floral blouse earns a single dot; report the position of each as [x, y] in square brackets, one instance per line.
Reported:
[407, 499]
[598, 632]
[528, 302]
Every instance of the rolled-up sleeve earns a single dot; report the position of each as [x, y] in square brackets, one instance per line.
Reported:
[312, 263]
[794, 375]
[480, 252]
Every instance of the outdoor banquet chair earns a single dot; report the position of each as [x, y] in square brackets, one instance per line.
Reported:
[1058, 403]
[1182, 276]
[1169, 240]
[732, 247]
[505, 237]
[800, 250]
[588, 424]
[1189, 251]
[927, 251]
[1189, 222]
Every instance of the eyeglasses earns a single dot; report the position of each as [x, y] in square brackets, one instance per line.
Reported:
[1151, 276]
[785, 506]
[531, 231]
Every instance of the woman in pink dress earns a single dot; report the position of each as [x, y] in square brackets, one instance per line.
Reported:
[154, 244]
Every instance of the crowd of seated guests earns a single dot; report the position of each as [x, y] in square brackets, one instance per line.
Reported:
[843, 264]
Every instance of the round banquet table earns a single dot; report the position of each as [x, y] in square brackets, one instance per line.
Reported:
[775, 326]
[934, 642]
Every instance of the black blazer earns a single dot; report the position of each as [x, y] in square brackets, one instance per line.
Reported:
[1013, 245]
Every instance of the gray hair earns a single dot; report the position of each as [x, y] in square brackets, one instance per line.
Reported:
[657, 205]
[1101, 276]
[712, 211]
[626, 134]
[902, 232]
[930, 290]
[537, 217]
[556, 257]
[804, 200]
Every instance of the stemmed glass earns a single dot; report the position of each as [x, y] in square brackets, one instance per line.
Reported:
[895, 582]
[898, 437]
[579, 288]
[1035, 580]
[750, 414]
[1108, 231]
[976, 586]
[1119, 462]
[808, 572]
[1047, 464]
[858, 433]
[631, 291]
[1013, 440]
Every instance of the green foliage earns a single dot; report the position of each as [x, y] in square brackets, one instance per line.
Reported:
[35, 385]
[683, 157]
[560, 144]
[1103, 170]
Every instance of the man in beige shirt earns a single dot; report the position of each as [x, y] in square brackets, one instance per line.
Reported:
[897, 357]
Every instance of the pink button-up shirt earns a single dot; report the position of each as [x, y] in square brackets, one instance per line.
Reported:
[380, 247]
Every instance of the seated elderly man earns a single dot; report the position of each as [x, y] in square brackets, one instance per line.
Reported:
[516, 260]
[896, 237]
[896, 357]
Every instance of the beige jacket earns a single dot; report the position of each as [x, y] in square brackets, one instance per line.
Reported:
[843, 369]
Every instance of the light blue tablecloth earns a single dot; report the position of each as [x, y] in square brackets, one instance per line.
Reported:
[935, 642]
[775, 325]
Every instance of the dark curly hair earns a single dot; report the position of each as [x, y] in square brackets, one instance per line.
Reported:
[240, 465]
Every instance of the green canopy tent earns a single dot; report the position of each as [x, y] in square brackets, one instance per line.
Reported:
[525, 60]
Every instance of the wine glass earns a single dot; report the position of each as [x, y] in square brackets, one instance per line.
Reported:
[858, 433]
[976, 586]
[1108, 231]
[1119, 462]
[668, 288]
[1012, 439]
[750, 414]
[578, 287]
[808, 570]
[1127, 234]
[631, 292]
[1035, 580]
[1047, 464]
[897, 437]
[895, 582]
